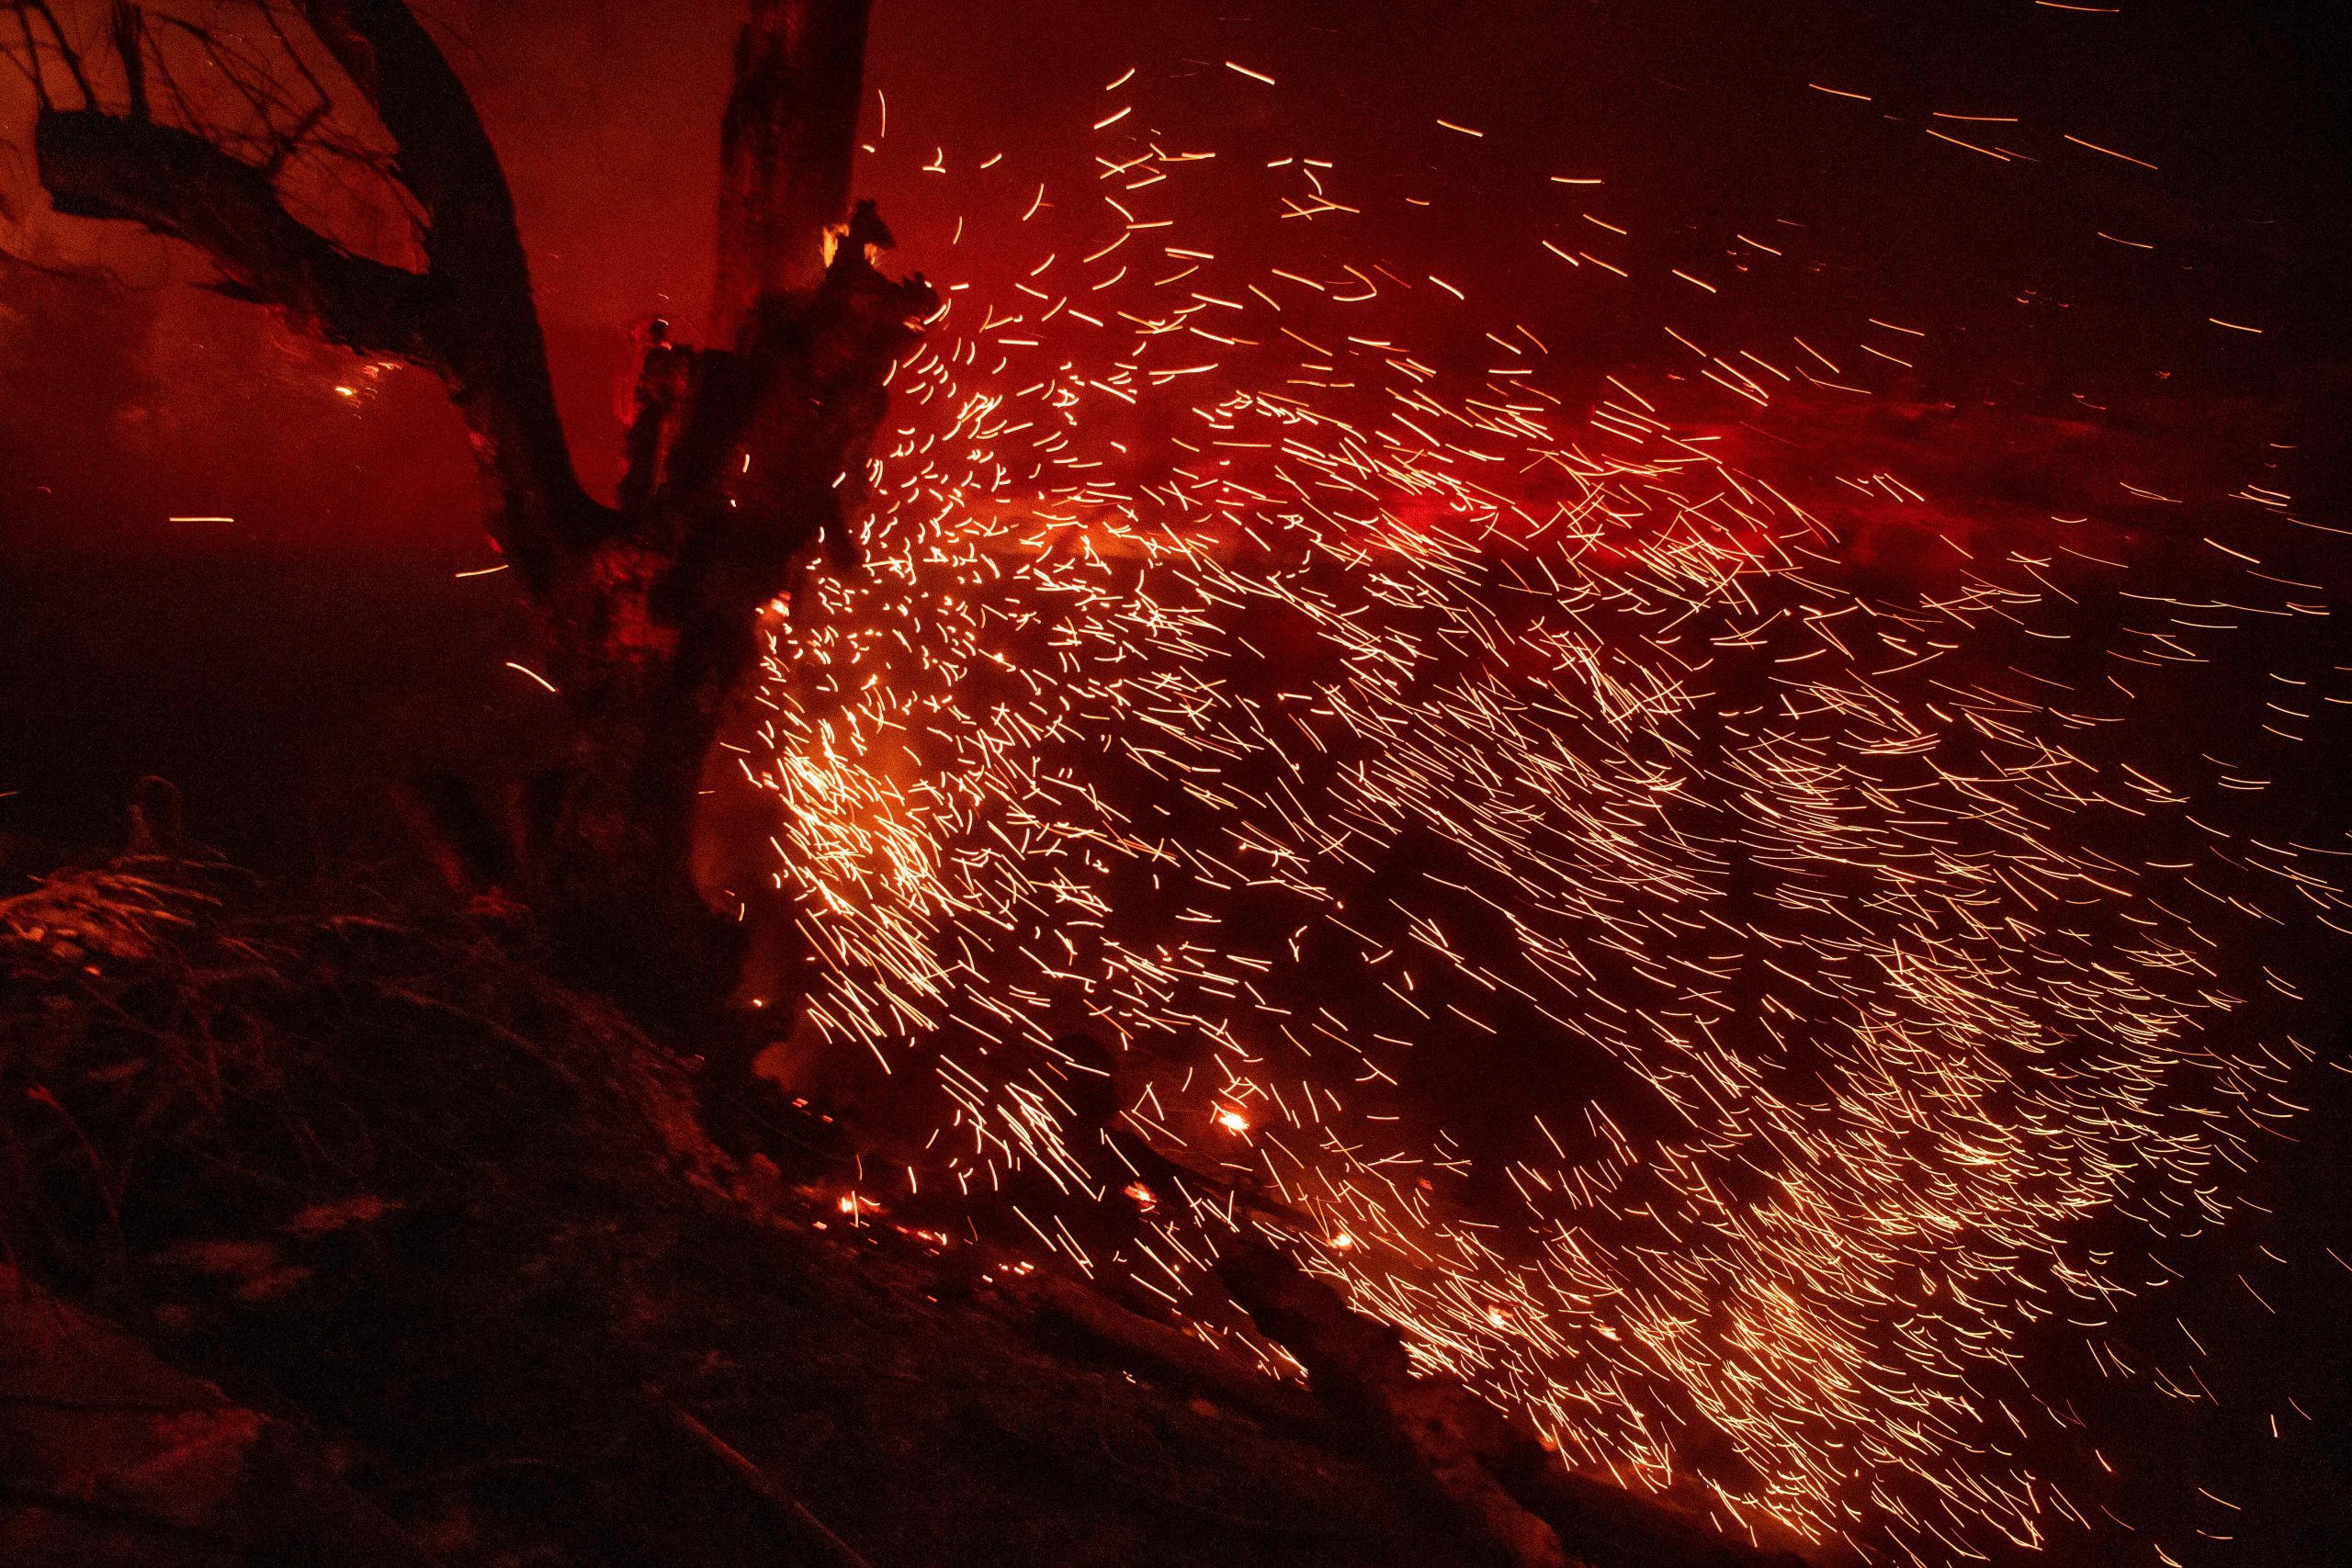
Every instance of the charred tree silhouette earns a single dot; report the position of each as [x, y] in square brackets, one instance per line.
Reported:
[744, 453]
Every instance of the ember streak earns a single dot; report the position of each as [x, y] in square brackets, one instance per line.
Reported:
[1340, 727]
[1596, 765]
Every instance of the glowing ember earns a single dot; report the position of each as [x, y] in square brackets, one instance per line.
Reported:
[1341, 735]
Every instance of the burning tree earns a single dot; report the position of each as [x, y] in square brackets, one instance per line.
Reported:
[743, 454]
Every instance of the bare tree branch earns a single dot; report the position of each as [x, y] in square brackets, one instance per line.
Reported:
[178, 184]
[261, 96]
[129, 28]
[484, 326]
[470, 317]
[444, 155]
[26, 11]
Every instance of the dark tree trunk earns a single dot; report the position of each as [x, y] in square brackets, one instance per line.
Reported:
[747, 454]
[783, 154]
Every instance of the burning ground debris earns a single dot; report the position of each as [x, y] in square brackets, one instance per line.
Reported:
[466, 1282]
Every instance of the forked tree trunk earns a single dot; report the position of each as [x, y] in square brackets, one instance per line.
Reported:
[753, 451]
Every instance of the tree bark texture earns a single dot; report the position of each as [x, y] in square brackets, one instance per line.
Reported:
[758, 451]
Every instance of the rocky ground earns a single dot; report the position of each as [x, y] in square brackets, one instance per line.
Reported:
[337, 1233]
